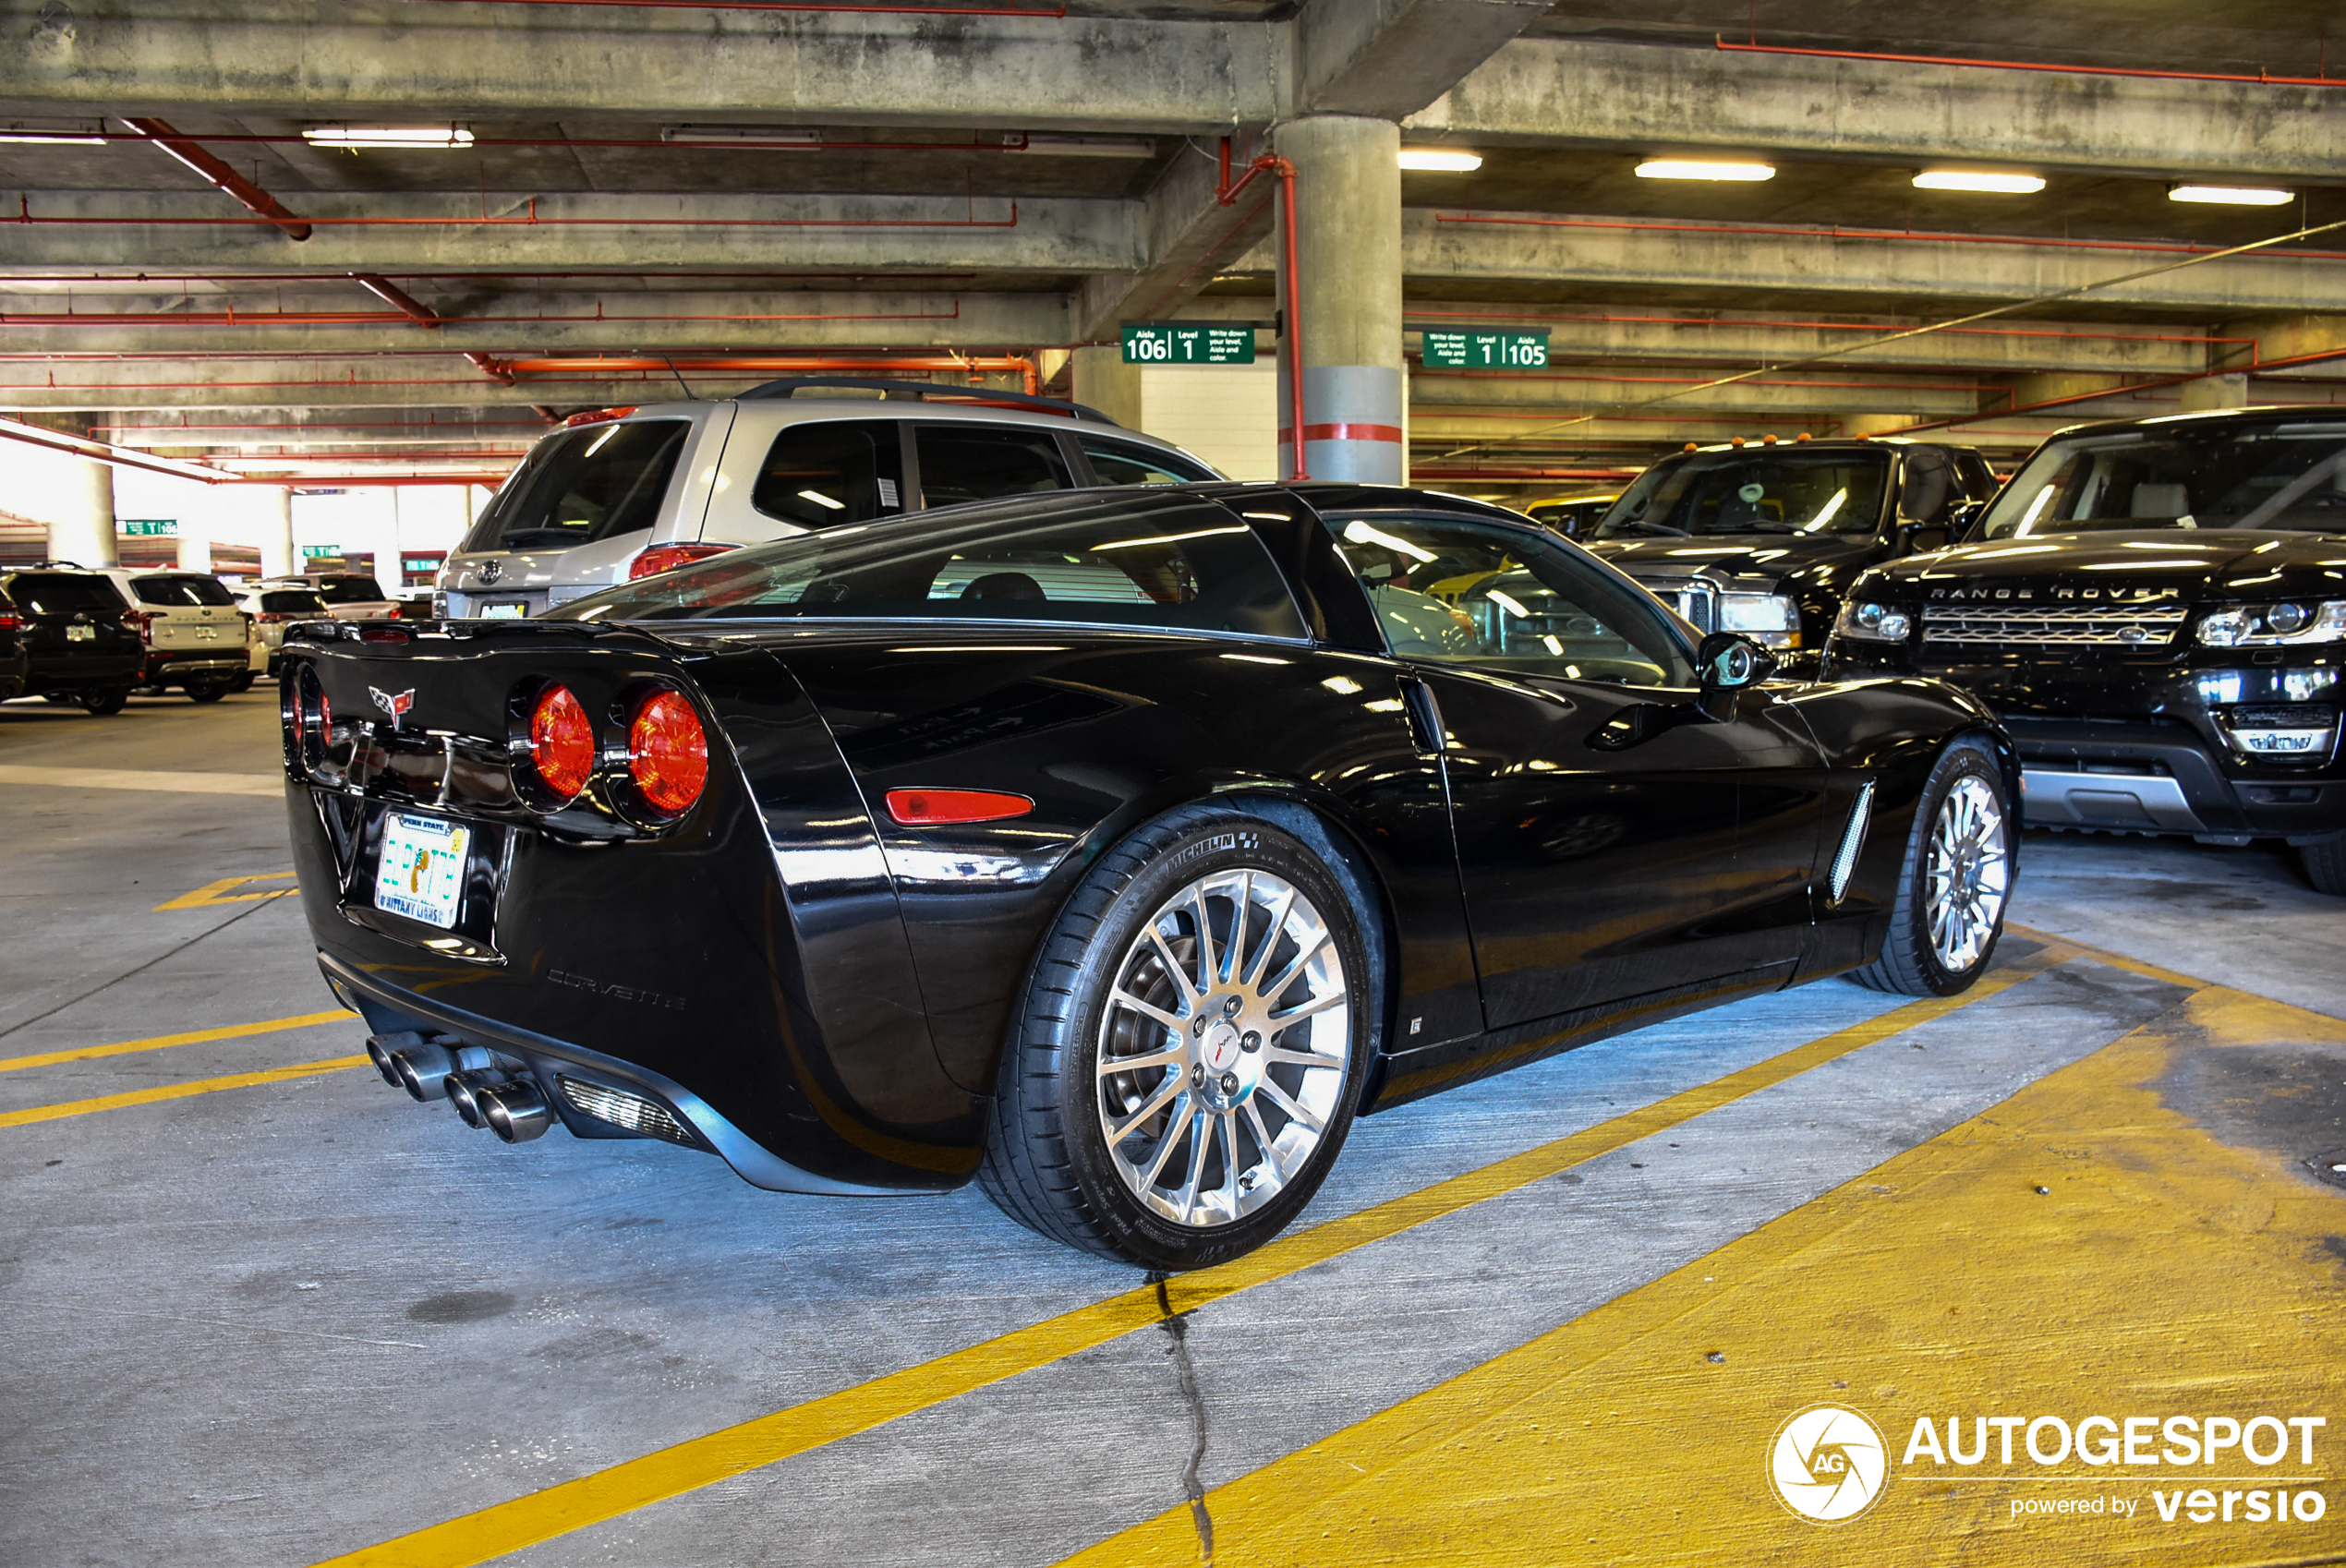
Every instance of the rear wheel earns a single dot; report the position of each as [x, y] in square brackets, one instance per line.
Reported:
[244, 681]
[205, 691]
[2325, 864]
[104, 701]
[1191, 1049]
[1954, 881]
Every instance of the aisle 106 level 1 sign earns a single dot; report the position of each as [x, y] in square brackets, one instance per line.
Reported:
[1475, 348]
[1187, 342]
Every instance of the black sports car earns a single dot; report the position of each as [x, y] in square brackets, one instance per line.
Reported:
[1111, 848]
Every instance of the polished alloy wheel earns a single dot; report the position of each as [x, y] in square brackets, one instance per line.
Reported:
[1968, 873]
[1223, 1048]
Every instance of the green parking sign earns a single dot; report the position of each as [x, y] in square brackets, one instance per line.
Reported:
[1479, 348]
[1187, 342]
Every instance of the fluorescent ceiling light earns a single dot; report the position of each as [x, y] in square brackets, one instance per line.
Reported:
[86, 133]
[1440, 160]
[387, 136]
[1080, 146]
[1698, 169]
[2229, 194]
[778, 136]
[1979, 179]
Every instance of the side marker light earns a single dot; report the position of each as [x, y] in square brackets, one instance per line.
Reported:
[937, 808]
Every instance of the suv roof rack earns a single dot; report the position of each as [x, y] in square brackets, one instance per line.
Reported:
[925, 390]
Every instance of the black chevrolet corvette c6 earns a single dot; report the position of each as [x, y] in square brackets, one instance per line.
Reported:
[1115, 849]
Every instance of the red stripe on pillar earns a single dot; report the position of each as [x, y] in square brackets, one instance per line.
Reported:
[1344, 433]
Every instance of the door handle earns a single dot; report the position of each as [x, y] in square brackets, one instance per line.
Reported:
[1425, 717]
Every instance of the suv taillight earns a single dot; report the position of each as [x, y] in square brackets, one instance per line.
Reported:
[8, 621]
[562, 745]
[145, 621]
[667, 558]
[668, 753]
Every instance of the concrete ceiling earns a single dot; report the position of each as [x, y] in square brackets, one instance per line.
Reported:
[577, 245]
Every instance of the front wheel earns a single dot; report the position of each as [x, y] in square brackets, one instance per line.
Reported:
[205, 691]
[1191, 1047]
[243, 682]
[2325, 864]
[105, 701]
[1954, 881]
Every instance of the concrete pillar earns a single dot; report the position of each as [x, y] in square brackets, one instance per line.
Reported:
[274, 503]
[1346, 298]
[82, 528]
[2211, 392]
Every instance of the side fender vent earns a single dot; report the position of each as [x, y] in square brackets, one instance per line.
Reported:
[1852, 840]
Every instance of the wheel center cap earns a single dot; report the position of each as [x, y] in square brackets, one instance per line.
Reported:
[1219, 1050]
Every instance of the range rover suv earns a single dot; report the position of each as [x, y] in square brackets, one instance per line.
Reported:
[1765, 539]
[2156, 609]
[630, 491]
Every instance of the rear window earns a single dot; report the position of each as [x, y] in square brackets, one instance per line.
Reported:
[1168, 561]
[593, 483]
[351, 590]
[291, 601]
[50, 593]
[181, 592]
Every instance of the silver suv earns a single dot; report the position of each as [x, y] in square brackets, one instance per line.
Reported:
[622, 494]
[196, 637]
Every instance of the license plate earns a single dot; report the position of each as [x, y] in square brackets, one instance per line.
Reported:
[207, 634]
[421, 874]
[81, 634]
[506, 609]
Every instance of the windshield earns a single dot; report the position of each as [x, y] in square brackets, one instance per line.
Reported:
[2281, 477]
[592, 483]
[1767, 490]
[1167, 560]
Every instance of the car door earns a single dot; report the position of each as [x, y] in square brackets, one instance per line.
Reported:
[1620, 832]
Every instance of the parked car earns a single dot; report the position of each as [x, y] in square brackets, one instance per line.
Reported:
[1572, 516]
[196, 637]
[2158, 610]
[274, 612]
[1765, 539]
[349, 595]
[14, 663]
[79, 641]
[1111, 848]
[636, 491]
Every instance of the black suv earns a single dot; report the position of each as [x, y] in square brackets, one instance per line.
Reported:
[79, 642]
[2157, 608]
[14, 663]
[1765, 538]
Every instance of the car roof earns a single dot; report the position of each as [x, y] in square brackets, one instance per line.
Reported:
[815, 407]
[2264, 414]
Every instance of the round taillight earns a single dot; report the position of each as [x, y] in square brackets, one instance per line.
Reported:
[668, 753]
[561, 743]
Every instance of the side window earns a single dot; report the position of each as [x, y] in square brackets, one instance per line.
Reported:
[1120, 462]
[833, 471]
[1507, 600]
[977, 462]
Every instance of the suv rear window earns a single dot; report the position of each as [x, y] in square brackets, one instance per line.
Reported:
[351, 590]
[54, 593]
[593, 483]
[181, 592]
[291, 602]
[1170, 562]
[1124, 462]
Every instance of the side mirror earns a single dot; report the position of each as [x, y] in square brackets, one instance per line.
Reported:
[1728, 660]
[1914, 538]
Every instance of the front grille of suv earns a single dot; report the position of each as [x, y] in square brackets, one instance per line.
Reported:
[1696, 598]
[2055, 626]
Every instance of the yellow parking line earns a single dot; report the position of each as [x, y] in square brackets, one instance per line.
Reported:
[164, 1042]
[175, 1091]
[507, 1527]
[213, 893]
[2081, 1247]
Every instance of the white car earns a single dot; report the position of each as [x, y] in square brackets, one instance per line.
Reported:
[349, 595]
[197, 639]
[272, 610]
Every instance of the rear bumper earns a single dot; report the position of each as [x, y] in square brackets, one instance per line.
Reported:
[389, 1008]
[169, 668]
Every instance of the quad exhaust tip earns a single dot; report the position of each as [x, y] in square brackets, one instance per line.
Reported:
[514, 1108]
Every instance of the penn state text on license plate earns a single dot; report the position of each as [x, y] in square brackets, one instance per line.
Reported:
[421, 874]
[506, 609]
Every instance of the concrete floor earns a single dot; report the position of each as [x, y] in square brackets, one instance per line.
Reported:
[298, 1319]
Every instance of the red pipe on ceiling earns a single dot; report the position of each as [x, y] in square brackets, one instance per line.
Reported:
[882, 10]
[1817, 325]
[255, 200]
[1928, 236]
[398, 299]
[24, 216]
[2262, 78]
[429, 319]
[1225, 192]
[462, 277]
[2148, 384]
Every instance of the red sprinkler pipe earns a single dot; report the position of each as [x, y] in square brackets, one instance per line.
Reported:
[232, 317]
[1836, 231]
[1226, 194]
[531, 220]
[191, 153]
[1054, 15]
[2263, 78]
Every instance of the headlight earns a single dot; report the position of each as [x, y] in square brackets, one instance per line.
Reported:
[1770, 620]
[1865, 622]
[2274, 625]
